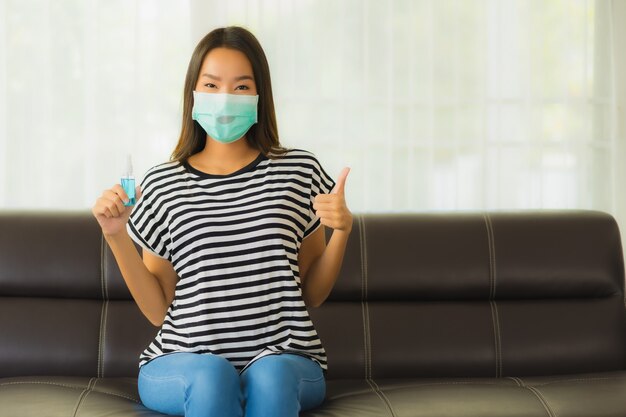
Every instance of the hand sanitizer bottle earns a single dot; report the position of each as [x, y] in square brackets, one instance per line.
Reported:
[128, 182]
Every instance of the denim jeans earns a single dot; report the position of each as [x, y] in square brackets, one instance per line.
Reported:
[204, 385]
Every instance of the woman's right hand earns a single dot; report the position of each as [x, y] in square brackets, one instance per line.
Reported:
[110, 211]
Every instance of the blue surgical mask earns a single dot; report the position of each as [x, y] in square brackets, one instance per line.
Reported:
[225, 117]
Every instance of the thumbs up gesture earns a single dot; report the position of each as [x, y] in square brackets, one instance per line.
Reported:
[331, 208]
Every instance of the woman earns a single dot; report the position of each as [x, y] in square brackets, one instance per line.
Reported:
[233, 251]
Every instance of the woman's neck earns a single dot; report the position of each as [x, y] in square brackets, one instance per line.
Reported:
[223, 158]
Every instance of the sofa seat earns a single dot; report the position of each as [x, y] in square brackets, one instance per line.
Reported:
[584, 395]
[63, 396]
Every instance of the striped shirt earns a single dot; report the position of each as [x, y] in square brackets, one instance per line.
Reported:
[234, 241]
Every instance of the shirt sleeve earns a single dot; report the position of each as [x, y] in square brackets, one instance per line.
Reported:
[147, 223]
[321, 183]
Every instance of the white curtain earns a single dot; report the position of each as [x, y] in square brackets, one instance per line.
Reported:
[434, 104]
[84, 83]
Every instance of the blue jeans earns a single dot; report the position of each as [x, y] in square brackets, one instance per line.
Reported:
[205, 385]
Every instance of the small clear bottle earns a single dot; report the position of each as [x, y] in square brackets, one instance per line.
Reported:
[128, 182]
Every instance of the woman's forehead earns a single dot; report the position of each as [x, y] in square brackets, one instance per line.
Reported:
[226, 61]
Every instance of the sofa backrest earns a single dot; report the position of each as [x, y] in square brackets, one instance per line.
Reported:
[418, 295]
[64, 306]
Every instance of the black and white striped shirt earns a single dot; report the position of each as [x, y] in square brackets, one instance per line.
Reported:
[233, 241]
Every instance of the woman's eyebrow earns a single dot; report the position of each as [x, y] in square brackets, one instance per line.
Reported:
[241, 77]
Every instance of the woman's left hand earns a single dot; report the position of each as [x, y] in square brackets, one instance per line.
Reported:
[331, 208]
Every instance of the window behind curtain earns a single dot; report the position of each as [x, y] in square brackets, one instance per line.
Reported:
[434, 104]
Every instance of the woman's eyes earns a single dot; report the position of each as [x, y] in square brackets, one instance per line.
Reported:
[211, 85]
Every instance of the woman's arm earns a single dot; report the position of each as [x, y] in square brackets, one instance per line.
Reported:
[144, 285]
[149, 280]
[319, 263]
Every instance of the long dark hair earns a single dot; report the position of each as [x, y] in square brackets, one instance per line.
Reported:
[263, 135]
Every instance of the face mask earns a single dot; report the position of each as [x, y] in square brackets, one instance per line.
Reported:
[225, 117]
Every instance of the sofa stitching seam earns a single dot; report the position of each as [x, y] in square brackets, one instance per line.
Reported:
[495, 331]
[81, 397]
[105, 305]
[98, 372]
[368, 340]
[543, 401]
[498, 340]
[425, 384]
[453, 383]
[120, 395]
[102, 264]
[495, 282]
[100, 391]
[382, 396]
[373, 389]
[105, 287]
[366, 322]
[492, 255]
[364, 306]
[41, 382]
[577, 380]
[363, 297]
[367, 308]
[492, 292]
[519, 381]
[104, 333]
[364, 338]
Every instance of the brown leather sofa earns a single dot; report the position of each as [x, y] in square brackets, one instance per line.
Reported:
[434, 314]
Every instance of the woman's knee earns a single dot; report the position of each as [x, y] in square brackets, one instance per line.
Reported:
[283, 382]
[274, 367]
[271, 375]
[191, 381]
[214, 373]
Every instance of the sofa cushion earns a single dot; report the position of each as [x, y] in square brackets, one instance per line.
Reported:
[583, 395]
[575, 395]
[61, 396]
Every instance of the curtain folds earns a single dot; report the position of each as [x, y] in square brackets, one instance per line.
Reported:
[434, 104]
